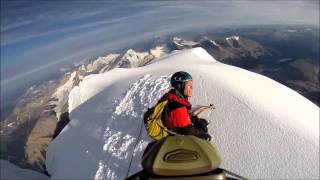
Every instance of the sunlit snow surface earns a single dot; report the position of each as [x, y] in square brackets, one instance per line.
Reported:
[10, 171]
[261, 128]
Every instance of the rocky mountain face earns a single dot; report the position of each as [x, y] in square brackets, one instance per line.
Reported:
[301, 75]
[233, 48]
[31, 109]
[309, 85]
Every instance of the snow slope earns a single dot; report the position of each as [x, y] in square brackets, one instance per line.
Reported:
[261, 128]
[130, 59]
[11, 171]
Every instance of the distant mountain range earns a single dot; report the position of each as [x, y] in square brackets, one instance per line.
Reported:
[229, 48]
[299, 73]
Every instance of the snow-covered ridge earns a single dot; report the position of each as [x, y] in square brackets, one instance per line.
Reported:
[130, 59]
[261, 128]
[184, 44]
[210, 41]
[61, 95]
[102, 64]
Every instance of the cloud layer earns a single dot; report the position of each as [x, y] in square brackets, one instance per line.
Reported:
[45, 35]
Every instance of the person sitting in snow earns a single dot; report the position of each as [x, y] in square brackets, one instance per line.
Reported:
[176, 115]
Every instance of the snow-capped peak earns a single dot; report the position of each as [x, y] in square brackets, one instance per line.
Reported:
[184, 44]
[233, 38]
[158, 51]
[102, 62]
[134, 59]
[208, 39]
[214, 43]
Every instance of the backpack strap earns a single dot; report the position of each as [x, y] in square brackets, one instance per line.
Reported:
[166, 113]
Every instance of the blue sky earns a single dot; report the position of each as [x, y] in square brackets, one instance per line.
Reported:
[40, 37]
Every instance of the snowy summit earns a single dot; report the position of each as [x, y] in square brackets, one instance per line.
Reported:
[184, 44]
[261, 128]
[233, 38]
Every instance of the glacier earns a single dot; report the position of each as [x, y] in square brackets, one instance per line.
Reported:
[261, 128]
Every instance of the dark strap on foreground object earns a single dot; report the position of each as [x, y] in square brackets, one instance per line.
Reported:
[234, 174]
[191, 130]
[143, 175]
[166, 113]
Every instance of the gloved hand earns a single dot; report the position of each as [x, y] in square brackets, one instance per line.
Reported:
[200, 123]
[194, 119]
[207, 137]
[205, 129]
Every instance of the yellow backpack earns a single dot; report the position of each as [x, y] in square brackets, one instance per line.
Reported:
[154, 125]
